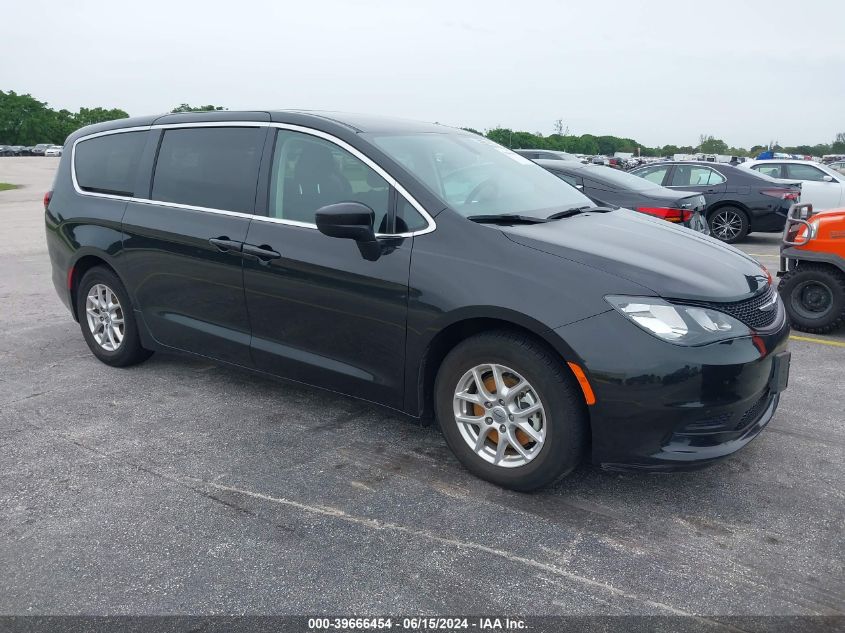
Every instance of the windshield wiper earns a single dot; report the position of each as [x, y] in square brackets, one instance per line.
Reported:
[576, 210]
[506, 218]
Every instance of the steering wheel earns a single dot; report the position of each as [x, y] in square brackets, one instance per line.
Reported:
[475, 194]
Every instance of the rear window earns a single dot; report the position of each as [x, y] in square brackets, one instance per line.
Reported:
[620, 179]
[212, 167]
[109, 164]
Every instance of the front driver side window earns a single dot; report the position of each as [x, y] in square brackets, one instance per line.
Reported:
[310, 172]
[804, 172]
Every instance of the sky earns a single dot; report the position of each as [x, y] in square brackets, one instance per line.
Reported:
[661, 72]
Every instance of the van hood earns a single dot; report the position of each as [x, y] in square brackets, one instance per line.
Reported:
[671, 261]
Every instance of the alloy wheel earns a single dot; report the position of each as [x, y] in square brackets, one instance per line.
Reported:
[726, 225]
[105, 317]
[500, 415]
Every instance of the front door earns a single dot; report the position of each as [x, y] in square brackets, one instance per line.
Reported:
[182, 246]
[320, 312]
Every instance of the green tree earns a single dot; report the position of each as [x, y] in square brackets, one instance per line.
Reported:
[23, 119]
[89, 116]
[26, 121]
[184, 107]
[709, 145]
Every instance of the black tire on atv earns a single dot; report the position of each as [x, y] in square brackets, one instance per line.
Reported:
[814, 297]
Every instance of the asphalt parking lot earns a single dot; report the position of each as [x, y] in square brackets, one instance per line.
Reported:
[181, 486]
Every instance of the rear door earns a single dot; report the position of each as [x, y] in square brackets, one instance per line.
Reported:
[182, 244]
[320, 312]
[700, 178]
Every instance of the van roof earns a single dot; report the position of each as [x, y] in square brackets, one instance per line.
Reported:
[321, 119]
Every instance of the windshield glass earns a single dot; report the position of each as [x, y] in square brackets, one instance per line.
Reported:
[618, 178]
[475, 176]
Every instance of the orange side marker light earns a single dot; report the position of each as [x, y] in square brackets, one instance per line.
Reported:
[589, 396]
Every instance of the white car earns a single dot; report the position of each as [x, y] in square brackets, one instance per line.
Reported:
[820, 185]
[53, 150]
[838, 166]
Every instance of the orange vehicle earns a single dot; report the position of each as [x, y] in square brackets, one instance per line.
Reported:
[812, 268]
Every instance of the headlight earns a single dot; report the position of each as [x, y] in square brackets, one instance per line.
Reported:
[679, 324]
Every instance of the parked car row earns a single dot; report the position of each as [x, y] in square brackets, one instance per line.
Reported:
[42, 149]
[717, 198]
[738, 201]
[606, 186]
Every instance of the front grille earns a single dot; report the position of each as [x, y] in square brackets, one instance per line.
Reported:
[705, 425]
[748, 311]
[754, 413]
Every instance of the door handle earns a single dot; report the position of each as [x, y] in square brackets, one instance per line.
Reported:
[264, 253]
[225, 245]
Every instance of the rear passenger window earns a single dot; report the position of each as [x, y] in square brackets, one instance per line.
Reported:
[695, 176]
[213, 167]
[109, 164]
[309, 173]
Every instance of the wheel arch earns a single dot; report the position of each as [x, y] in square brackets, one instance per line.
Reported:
[461, 328]
[720, 204]
[85, 260]
[799, 256]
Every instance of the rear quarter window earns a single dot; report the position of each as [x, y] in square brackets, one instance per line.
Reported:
[109, 164]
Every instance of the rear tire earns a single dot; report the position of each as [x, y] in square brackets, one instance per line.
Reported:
[728, 224]
[107, 319]
[531, 378]
[814, 297]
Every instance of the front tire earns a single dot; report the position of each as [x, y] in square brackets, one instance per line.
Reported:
[814, 296]
[728, 224]
[107, 319]
[510, 410]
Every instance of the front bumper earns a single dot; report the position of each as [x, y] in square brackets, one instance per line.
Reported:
[664, 407]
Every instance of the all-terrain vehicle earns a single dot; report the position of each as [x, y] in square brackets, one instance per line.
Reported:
[812, 268]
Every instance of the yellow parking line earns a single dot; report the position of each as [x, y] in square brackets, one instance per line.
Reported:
[820, 341]
[761, 255]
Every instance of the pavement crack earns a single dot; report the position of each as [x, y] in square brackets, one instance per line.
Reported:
[376, 524]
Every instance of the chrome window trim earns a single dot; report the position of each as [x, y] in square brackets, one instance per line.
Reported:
[432, 225]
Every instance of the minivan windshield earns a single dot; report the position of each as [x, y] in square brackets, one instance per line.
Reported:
[475, 176]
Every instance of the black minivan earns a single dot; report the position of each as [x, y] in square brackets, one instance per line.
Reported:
[425, 269]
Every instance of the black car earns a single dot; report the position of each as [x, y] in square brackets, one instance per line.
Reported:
[738, 202]
[608, 186]
[422, 268]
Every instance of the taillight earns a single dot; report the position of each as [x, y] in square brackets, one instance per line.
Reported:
[47, 197]
[667, 213]
[783, 194]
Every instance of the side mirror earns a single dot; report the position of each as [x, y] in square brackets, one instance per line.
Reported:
[827, 178]
[350, 220]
